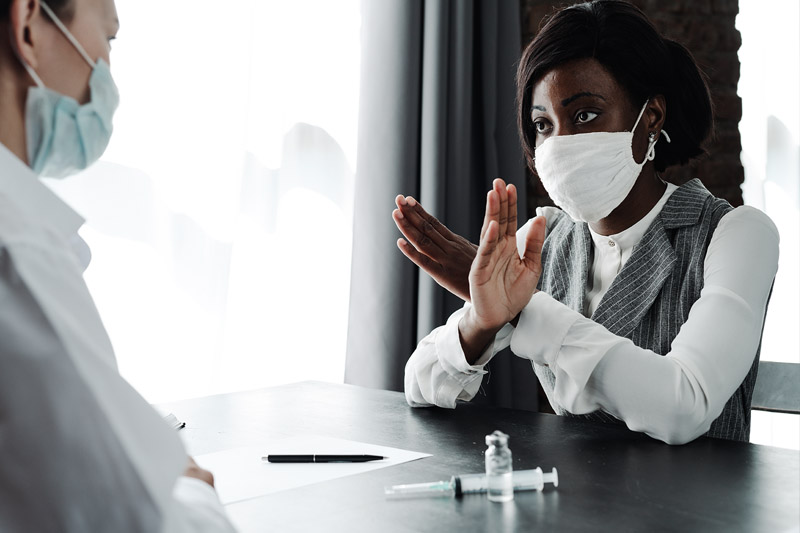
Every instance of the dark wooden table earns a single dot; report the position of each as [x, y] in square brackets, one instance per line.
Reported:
[611, 479]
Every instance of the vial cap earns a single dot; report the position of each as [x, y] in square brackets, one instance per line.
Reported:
[497, 438]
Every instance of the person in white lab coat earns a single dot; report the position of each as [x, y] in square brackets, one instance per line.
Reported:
[80, 449]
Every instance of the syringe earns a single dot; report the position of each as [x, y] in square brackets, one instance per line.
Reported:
[470, 483]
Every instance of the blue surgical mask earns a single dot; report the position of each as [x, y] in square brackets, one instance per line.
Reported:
[63, 136]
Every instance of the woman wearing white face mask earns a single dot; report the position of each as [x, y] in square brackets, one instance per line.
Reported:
[81, 450]
[639, 301]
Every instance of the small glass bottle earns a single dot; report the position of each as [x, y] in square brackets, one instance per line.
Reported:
[499, 468]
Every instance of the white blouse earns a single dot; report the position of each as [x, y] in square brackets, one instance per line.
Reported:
[611, 252]
[673, 398]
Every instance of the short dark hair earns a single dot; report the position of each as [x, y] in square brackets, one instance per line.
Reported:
[62, 8]
[622, 39]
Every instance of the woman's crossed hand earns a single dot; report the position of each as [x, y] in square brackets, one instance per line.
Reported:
[500, 281]
[444, 255]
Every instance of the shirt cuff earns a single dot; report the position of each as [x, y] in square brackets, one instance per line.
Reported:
[451, 354]
[542, 327]
[453, 361]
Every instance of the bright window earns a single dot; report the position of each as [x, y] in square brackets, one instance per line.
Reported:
[220, 215]
[770, 128]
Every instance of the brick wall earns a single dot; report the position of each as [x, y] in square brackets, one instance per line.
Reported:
[707, 29]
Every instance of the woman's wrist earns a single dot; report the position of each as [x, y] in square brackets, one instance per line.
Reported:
[474, 337]
[514, 321]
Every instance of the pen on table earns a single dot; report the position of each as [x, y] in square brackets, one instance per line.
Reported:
[313, 458]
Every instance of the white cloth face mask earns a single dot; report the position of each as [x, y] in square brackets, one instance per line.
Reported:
[589, 174]
[63, 136]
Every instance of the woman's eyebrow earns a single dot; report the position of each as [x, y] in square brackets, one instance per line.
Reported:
[538, 107]
[566, 101]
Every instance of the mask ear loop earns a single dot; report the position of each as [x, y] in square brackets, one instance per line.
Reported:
[651, 152]
[640, 115]
[32, 74]
[651, 149]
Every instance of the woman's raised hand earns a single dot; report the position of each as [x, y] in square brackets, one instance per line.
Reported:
[501, 282]
[445, 256]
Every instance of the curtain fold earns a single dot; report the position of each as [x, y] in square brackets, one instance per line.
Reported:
[437, 121]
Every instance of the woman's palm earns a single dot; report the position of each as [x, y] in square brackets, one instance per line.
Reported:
[502, 285]
[501, 282]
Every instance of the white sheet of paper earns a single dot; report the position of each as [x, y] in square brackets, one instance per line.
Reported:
[240, 473]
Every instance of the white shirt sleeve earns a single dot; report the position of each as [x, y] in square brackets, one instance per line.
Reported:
[675, 397]
[438, 373]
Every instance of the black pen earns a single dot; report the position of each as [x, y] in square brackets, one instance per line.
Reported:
[322, 458]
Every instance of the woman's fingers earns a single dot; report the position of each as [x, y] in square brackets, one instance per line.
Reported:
[500, 188]
[492, 211]
[440, 228]
[426, 233]
[419, 233]
[533, 244]
[421, 260]
[490, 233]
[487, 247]
[511, 227]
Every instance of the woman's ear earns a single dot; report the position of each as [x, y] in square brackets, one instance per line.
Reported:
[25, 16]
[656, 113]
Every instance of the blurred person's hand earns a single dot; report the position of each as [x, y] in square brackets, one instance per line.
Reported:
[193, 470]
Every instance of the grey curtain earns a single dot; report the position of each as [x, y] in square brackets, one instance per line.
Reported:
[437, 121]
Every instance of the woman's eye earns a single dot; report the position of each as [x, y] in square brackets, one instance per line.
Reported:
[541, 126]
[585, 116]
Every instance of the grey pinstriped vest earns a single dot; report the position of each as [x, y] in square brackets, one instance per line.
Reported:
[651, 296]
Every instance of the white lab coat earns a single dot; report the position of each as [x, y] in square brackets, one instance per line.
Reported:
[80, 449]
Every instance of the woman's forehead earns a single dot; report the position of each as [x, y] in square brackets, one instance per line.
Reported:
[580, 76]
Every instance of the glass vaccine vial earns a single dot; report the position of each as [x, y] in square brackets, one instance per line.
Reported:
[499, 468]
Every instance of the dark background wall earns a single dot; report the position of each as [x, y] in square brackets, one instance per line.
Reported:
[707, 29]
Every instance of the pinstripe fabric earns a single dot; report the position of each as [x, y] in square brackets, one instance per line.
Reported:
[651, 297]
